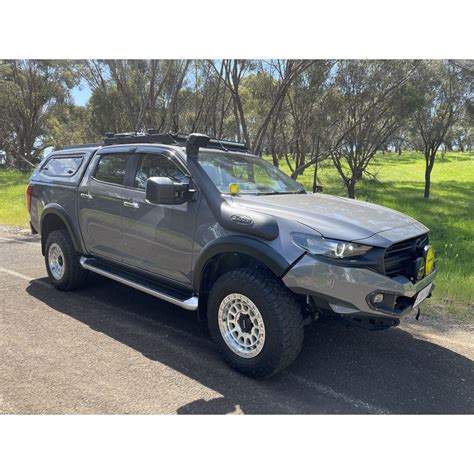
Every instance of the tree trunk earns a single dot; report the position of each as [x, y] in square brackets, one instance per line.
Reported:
[242, 122]
[275, 158]
[429, 160]
[351, 188]
[427, 182]
[315, 176]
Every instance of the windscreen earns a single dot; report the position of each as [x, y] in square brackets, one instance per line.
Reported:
[253, 175]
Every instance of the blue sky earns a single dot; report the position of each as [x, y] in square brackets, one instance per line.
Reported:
[81, 94]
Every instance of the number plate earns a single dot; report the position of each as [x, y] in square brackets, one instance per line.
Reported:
[422, 295]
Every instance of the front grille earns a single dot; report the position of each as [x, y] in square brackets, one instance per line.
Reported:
[399, 257]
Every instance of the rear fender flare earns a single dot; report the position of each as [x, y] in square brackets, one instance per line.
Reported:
[57, 210]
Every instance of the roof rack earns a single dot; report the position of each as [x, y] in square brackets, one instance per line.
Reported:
[83, 145]
[152, 136]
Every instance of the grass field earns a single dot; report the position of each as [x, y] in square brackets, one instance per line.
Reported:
[449, 213]
[13, 198]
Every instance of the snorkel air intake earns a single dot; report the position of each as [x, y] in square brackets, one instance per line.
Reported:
[229, 216]
[194, 142]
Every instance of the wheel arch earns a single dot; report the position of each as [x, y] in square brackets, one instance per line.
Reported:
[54, 217]
[229, 253]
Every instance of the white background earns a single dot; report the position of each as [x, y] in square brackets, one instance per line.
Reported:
[254, 29]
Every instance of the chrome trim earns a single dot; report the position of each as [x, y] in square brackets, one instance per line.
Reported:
[191, 304]
[56, 261]
[132, 204]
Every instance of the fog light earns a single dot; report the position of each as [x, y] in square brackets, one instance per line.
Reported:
[377, 298]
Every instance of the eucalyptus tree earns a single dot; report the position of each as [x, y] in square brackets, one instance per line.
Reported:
[144, 92]
[31, 93]
[372, 99]
[309, 114]
[278, 74]
[444, 89]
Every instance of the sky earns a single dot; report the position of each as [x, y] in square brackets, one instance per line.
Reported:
[81, 94]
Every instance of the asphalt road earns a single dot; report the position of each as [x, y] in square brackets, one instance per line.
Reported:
[110, 349]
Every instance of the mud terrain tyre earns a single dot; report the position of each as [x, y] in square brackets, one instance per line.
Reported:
[255, 322]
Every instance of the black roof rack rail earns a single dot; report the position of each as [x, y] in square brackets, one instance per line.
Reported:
[178, 139]
[82, 145]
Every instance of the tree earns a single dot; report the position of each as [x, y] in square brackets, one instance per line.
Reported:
[281, 75]
[310, 115]
[372, 100]
[69, 126]
[31, 92]
[143, 93]
[444, 93]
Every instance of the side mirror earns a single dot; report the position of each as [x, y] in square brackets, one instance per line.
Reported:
[166, 191]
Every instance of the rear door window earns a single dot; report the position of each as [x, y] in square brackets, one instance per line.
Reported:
[112, 168]
[62, 165]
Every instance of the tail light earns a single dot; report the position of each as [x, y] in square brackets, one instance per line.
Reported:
[29, 192]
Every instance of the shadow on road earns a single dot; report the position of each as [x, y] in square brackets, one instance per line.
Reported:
[339, 366]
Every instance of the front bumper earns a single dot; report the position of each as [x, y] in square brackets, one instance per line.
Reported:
[347, 291]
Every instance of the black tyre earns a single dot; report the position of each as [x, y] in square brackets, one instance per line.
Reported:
[62, 262]
[255, 321]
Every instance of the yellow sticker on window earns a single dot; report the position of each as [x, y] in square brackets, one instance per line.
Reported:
[234, 188]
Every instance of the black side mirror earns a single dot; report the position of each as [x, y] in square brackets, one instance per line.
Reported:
[167, 191]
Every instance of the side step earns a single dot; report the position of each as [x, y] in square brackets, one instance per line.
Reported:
[170, 295]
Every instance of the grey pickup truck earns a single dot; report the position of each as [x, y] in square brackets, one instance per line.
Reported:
[205, 225]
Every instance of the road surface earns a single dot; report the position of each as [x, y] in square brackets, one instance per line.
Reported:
[110, 349]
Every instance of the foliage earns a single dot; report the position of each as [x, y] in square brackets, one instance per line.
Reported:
[373, 104]
[302, 112]
[443, 95]
[31, 94]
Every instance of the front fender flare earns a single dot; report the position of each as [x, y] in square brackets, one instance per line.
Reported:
[256, 249]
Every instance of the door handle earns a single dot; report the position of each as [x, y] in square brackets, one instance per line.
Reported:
[86, 196]
[132, 204]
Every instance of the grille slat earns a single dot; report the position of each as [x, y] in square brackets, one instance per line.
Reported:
[399, 257]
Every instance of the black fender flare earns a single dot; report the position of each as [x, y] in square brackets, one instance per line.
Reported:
[256, 249]
[57, 210]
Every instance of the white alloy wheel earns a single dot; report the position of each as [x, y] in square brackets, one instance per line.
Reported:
[241, 325]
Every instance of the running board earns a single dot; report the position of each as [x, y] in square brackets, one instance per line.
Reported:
[152, 288]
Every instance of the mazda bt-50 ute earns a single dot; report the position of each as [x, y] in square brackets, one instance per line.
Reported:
[205, 225]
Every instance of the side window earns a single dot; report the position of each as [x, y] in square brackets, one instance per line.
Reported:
[112, 168]
[62, 165]
[150, 166]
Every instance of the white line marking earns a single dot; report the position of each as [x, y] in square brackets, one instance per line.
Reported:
[23, 277]
[324, 389]
[36, 244]
[340, 396]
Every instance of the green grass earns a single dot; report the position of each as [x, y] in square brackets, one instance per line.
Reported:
[13, 198]
[449, 213]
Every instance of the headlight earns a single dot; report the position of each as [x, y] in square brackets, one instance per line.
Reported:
[329, 248]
